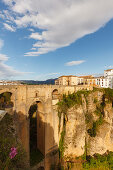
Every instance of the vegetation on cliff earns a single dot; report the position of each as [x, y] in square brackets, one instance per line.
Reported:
[101, 162]
[100, 113]
[67, 102]
[94, 118]
[75, 99]
[9, 139]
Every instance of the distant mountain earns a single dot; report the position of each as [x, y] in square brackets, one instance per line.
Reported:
[33, 82]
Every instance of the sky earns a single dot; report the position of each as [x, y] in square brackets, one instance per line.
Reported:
[42, 39]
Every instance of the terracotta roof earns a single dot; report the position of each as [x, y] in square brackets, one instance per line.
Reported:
[68, 76]
[108, 70]
[102, 77]
[87, 77]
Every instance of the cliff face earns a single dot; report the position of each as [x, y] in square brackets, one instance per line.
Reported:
[89, 127]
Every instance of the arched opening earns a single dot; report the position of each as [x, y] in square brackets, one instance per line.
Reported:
[37, 133]
[5, 101]
[55, 94]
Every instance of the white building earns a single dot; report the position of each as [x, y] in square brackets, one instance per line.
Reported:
[5, 82]
[107, 80]
[109, 75]
[108, 72]
[102, 82]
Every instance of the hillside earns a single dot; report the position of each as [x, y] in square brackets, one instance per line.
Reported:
[33, 82]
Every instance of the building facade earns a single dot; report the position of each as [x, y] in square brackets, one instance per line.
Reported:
[105, 81]
[88, 80]
[74, 80]
[67, 80]
[109, 75]
[102, 82]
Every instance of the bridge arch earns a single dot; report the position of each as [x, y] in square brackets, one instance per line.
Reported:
[37, 128]
[6, 100]
[8, 91]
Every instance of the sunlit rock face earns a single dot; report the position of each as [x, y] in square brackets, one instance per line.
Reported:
[77, 139]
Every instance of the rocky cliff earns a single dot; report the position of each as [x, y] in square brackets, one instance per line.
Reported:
[88, 123]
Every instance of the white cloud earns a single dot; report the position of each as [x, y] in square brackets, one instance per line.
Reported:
[62, 21]
[1, 43]
[73, 63]
[109, 67]
[51, 74]
[5, 70]
[3, 57]
[33, 48]
[9, 27]
[30, 29]
[36, 36]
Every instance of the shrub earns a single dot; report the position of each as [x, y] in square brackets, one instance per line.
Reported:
[95, 100]
[61, 144]
[98, 161]
[109, 94]
[9, 139]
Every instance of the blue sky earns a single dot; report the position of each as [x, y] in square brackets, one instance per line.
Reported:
[46, 39]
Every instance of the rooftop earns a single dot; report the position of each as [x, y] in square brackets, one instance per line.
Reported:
[68, 76]
[87, 77]
[108, 70]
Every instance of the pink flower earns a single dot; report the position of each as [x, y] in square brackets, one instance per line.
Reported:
[13, 152]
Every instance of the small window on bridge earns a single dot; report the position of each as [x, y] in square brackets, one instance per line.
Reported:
[36, 94]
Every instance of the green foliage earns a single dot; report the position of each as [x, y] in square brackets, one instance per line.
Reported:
[99, 112]
[70, 165]
[88, 118]
[95, 100]
[71, 100]
[61, 144]
[92, 132]
[8, 139]
[104, 162]
[109, 94]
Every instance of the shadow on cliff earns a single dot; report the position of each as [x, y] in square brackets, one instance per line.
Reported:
[40, 145]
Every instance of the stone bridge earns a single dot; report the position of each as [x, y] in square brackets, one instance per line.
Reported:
[46, 97]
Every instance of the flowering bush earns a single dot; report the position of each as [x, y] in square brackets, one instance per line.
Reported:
[13, 152]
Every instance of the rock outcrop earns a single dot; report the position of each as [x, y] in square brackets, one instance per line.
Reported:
[89, 127]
